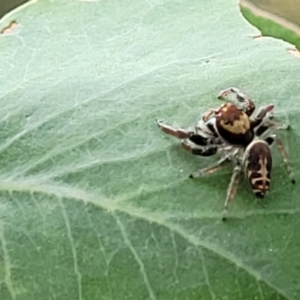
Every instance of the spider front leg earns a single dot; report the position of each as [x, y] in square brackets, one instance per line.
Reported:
[177, 132]
[263, 118]
[237, 97]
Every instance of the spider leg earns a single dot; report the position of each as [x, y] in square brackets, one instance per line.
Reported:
[270, 140]
[285, 159]
[210, 169]
[177, 132]
[263, 130]
[231, 191]
[262, 117]
[199, 150]
[279, 126]
[235, 96]
[201, 139]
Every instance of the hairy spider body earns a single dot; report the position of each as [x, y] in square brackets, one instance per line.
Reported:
[230, 123]
[240, 136]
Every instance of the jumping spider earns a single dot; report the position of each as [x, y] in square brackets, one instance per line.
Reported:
[241, 136]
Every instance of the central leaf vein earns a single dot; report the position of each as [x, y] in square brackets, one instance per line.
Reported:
[136, 257]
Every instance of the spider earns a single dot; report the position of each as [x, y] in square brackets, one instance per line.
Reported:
[241, 136]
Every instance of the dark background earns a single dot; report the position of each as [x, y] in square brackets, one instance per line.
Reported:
[8, 5]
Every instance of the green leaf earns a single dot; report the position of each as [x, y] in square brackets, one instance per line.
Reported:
[279, 19]
[95, 200]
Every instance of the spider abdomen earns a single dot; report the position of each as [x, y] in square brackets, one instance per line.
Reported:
[258, 166]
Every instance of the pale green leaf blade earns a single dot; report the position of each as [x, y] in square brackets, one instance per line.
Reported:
[96, 202]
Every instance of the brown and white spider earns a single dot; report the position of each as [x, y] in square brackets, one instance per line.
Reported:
[240, 135]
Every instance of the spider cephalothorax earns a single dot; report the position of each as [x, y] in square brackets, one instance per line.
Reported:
[233, 123]
[230, 123]
[240, 135]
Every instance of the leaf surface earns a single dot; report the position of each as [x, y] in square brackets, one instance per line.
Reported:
[95, 201]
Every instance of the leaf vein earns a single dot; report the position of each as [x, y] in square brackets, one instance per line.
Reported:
[111, 206]
[7, 263]
[136, 257]
[73, 249]
[207, 281]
